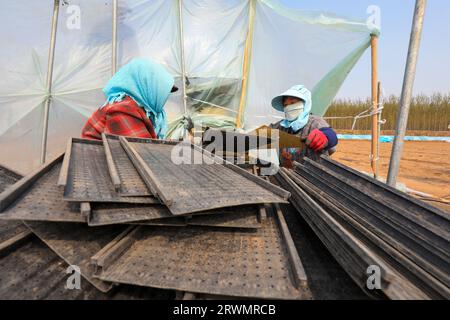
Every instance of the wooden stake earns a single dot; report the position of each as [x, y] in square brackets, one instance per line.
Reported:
[375, 138]
[377, 154]
[246, 66]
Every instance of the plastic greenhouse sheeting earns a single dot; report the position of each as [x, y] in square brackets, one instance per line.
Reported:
[283, 47]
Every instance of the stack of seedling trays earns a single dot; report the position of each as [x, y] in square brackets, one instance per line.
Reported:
[160, 214]
[374, 230]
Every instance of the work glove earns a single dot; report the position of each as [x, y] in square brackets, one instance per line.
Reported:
[317, 140]
[286, 159]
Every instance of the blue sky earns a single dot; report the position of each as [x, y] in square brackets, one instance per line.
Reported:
[433, 69]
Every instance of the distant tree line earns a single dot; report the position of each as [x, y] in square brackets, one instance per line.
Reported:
[427, 113]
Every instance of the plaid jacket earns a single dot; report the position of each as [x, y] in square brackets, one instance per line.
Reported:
[124, 118]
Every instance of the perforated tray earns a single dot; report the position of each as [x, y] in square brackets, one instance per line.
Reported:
[243, 217]
[41, 199]
[7, 178]
[236, 217]
[109, 213]
[189, 188]
[159, 215]
[9, 229]
[233, 142]
[86, 177]
[131, 183]
[169, 222]
[76, 243]
[35, 272]
[194, 259]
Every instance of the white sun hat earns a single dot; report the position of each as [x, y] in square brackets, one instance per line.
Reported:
[298, 91]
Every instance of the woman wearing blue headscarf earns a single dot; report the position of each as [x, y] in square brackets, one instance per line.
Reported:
[317, 134]
[135, 99]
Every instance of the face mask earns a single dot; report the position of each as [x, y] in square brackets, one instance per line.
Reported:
[293, 111]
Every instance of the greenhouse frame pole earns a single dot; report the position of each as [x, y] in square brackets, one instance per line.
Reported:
[379, 122]
[51, 60]
[246, 66]
[114, 39]
[374, 158]
[408, 84]
[183, 68]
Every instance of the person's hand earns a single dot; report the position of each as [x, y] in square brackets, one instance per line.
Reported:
[317, 140]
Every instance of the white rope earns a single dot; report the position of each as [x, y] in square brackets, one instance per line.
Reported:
[361, 115]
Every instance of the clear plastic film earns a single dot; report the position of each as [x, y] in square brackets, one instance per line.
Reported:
[150, 29]
[82, 66]
[25, 35]
[214, 39]
[293, 47]
[287, 47]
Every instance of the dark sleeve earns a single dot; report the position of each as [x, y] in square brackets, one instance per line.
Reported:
[331, 136]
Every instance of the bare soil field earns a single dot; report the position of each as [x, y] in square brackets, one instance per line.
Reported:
[392, 132]
[425, 166]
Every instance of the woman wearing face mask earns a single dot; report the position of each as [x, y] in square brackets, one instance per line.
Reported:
[318, 136]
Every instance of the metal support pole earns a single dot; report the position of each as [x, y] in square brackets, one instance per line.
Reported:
[114, 38]
[246, 66]
[183, 69]
[375, 137]
[408, 83]
[51, 60]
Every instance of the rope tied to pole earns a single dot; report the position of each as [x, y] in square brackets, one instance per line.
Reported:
[365, 114]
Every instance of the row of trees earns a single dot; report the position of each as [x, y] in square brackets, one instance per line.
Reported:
[427, 113]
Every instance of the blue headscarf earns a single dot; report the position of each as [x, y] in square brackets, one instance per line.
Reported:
[147, 83]
[298, 91]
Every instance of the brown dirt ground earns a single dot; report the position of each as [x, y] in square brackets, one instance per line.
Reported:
[425, 166]
[392, 132]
